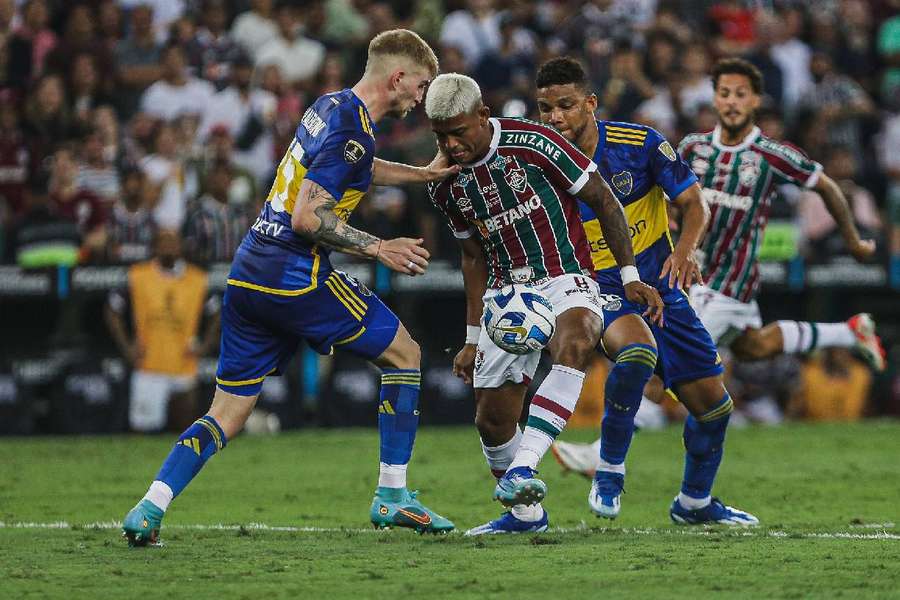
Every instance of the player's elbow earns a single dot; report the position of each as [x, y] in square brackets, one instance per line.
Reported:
[305, 222]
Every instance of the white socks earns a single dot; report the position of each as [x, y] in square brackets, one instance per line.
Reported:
[803, 336]
[611, 468]
[499, 457]
[160, 494]
[551, 407]
[693, 503]
[392, 476]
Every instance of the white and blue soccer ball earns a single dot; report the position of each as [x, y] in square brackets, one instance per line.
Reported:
[519, 319]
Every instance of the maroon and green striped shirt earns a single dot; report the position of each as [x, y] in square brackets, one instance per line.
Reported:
[520, 202]
[738, 182]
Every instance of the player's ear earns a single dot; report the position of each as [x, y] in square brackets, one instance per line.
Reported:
[591, 102]
[483, 114]
[396, 77]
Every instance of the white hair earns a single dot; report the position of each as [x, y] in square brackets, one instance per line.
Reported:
[451, 95]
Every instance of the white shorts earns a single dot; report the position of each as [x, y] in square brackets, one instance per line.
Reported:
[494, 367]
[150, 393]
[724, 317]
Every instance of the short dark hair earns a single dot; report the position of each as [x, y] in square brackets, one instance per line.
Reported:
[561, 71]
[738, 66]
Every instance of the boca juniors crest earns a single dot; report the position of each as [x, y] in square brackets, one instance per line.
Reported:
[624, 182]
[516, 179]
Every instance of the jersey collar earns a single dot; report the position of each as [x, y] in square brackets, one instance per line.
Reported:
[745, 143]
[495, 142]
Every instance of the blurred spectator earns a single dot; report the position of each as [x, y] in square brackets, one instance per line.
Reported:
[85, 91]
[475, 31]
[513, 61]
[47, 121]
[168, 300]
[31, 43]
[344, 24]
[792, 55]
[96, 171]
[593, 29]
[15, 162]
[177, 93]
[627, 87]
[661, 53]
[818, 227]
[696, 86]
[297, 56]
[731, 24]
[855, 52]
[137, 58]
[109, 24]
[220, 148]
[212, 50]
[80, 39]
[214, 227]
[890, 162]
[41, 237]
[106, 125]
[165, 169]
[838, 103]
[834, 387]
[131, 228]
[253, 28]
[761, 55]
[246, 114]
[889, 51]
[165, 13]
[79, 206]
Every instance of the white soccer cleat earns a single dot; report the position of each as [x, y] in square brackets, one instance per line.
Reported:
[867, 342]
[580, 458]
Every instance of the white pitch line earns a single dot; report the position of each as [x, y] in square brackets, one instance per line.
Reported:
[583, 528]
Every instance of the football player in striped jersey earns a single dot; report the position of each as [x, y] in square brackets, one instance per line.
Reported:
[513, 209]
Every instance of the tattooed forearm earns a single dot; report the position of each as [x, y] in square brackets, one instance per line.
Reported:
[315, 219]
[612, 220]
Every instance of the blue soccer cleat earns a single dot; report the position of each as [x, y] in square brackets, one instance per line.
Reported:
[508, 523]
[142, 523]
[519, 486]
[605, 492]
[714, 513]
[398, 507]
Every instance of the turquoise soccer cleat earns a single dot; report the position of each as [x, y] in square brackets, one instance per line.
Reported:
[519, 486]
[142, 523]
[398, 507]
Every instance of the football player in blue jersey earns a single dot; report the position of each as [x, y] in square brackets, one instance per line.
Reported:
[644, 173]
[282, 288]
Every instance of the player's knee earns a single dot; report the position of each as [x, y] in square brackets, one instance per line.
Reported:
[495, 427]
[752, 345]
[403, 353]
[411, 355]
[231, 411]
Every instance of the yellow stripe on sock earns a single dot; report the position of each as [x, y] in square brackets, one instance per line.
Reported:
[718, 412]
[635, 354]
[213, 432]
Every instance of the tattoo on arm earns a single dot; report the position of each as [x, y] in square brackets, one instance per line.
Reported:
[612, 220]
[328, 228]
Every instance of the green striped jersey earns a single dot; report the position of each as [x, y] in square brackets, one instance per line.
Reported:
[737, 183]
[519, 200]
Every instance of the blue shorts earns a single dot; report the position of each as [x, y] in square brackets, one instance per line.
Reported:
[686, 350]
[261, 331]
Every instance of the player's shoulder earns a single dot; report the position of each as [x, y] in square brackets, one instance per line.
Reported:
[519, 124]
[631, 136]
[439, 190]
[697, 138]
[780, 149]
[338, 113]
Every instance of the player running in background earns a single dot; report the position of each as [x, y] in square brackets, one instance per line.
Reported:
[738, 169]
[282, 288]
[644, 171]
[513, 210]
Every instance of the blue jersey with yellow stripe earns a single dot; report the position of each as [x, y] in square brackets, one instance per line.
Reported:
[334, 146]
[642, 169]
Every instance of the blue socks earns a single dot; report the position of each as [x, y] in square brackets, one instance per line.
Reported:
[624, 390]
[195, 446]
[704, 437]
[398, 415]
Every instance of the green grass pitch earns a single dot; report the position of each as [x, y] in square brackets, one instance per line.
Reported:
[828, 496]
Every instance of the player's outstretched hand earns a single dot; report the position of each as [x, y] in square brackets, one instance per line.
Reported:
[641, 293]
[464, 363]
[404, 255]
[683, 270]
[440, 168]
[862, 250]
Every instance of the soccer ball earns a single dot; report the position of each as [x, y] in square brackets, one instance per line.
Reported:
[519, 319]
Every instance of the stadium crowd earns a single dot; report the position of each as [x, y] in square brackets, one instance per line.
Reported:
[121, 117]
[117, 116]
